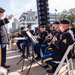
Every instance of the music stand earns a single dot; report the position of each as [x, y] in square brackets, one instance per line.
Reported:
[34, 41]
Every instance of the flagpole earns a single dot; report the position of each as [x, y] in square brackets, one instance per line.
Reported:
[55, 14]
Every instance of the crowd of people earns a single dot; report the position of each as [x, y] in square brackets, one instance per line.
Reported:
[53, 43]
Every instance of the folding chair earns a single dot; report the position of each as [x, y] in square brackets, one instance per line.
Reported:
[65, 57]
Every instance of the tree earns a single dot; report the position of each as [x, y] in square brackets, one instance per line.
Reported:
[68, 15]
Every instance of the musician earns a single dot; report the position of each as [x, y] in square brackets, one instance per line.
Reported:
[42, 43]
[20, 34]
[51, 28]
[65, 40]
[54, 34]
[3, 36]
[54, 29]
[27, 42]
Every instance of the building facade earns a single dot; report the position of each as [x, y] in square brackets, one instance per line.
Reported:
[28, 18]
[15, 25]
[31, 18]
[54, 17]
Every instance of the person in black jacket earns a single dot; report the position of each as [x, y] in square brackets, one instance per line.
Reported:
[3, 36]
[54, 33]
[42, 42]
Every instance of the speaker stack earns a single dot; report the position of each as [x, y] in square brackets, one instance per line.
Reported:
[43, 12]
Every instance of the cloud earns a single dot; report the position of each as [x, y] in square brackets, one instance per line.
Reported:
[60, 5]
[22, 5]
[17, 6]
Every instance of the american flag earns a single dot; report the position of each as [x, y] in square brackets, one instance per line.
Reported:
[55, 9]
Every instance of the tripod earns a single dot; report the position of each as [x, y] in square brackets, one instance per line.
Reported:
[22, 63]
[23, 58]
[32, 60]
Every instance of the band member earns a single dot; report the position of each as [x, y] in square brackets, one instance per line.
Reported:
[3, 36]
[42, 43]
[20, 34]
[54, 35]
[65, 40]
[27, 42]
[54, 29]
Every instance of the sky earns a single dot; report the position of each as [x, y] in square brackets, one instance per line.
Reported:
[16, 7]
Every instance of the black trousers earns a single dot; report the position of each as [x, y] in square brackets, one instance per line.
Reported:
[3, 54]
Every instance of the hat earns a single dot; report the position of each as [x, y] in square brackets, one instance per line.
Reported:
[22, 28]
[2, 10]
[28, 26]
[50, 25]
[56, 22]
[65, 21]
[42, 26]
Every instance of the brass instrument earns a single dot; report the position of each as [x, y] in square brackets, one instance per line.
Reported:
[47, 38]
